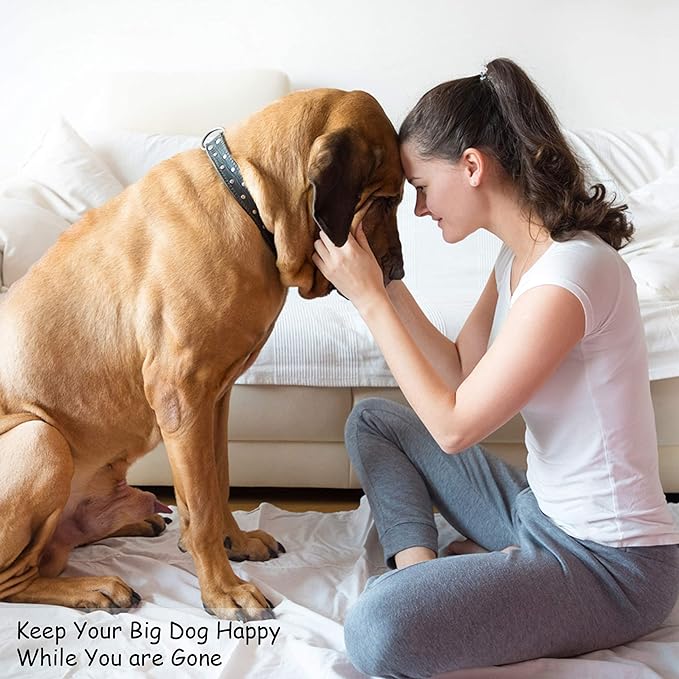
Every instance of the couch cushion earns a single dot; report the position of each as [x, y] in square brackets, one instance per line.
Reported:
[288, 413]
[279, 464]
[271, 435]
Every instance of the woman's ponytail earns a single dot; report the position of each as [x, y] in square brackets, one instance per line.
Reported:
[503, 112]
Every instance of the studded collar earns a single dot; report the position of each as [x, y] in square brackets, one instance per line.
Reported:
[217, 151]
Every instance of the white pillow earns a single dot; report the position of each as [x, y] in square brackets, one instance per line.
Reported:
[624, 160]
[653, 253]
[130, 155]
[654, 210]
[26, 232]
[63, 175]
[656, 273]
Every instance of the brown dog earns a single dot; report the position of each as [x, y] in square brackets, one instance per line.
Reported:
[135, 325]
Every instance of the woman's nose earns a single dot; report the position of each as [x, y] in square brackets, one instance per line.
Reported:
[421, 206]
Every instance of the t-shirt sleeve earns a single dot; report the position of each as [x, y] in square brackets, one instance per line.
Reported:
[591, 274]
[570, 285]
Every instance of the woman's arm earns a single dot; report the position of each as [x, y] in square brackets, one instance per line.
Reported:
[440, 351]
[542, 327]
[452, 360]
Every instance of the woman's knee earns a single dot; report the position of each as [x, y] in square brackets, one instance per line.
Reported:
[371, 413]
[356, 417]
[362, 419]
[371, 632]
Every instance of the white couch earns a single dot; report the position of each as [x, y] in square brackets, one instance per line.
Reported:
[288, 411]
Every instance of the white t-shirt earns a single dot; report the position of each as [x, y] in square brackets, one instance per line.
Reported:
[590, 429]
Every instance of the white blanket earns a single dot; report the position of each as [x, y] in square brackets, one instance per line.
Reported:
[328, 559]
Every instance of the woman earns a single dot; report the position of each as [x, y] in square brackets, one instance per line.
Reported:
[581, 552]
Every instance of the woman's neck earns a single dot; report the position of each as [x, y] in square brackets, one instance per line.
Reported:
[526, 239]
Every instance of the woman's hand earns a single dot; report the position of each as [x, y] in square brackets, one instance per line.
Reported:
[352, 269]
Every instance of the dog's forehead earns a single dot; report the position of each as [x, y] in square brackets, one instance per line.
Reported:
[362, 112]
[363, 109]
[327, 109]
[359, 110]
[335, 109]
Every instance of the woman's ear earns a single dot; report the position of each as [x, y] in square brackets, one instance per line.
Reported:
[473, 164]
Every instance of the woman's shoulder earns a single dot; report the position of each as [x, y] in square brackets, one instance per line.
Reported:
[585, 251]
[587, 266]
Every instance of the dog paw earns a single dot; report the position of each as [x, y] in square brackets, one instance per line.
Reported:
[150, 527]
[253, 545]
[157, 523]
[108, 593]
[243, 602]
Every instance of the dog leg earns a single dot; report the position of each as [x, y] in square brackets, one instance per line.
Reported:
[36, 468]
[254, 545]
[190, 447]
[103, 592]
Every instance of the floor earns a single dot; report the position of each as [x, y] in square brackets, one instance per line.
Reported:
[291, 499]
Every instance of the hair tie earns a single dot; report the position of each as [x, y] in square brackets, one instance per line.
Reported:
[484, 74]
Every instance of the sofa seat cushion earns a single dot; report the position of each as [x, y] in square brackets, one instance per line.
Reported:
[288, 413]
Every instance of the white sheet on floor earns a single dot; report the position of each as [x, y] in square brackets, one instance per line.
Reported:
[328, 559]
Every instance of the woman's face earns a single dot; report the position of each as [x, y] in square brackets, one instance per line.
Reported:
[447, 192]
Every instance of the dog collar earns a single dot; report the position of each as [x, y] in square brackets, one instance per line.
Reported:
[217, 151]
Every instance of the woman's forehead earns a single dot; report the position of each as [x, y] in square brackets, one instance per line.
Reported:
[416, 167]
[411, 161]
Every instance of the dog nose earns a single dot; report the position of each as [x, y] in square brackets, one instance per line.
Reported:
[392, 265]
[396, 272]
[396, 261]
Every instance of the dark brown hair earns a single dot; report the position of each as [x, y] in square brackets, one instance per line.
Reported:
[503, 113]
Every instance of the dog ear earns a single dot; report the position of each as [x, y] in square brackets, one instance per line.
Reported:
[337, 175]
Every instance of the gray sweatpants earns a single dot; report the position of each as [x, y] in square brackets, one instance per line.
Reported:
[554, 596]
